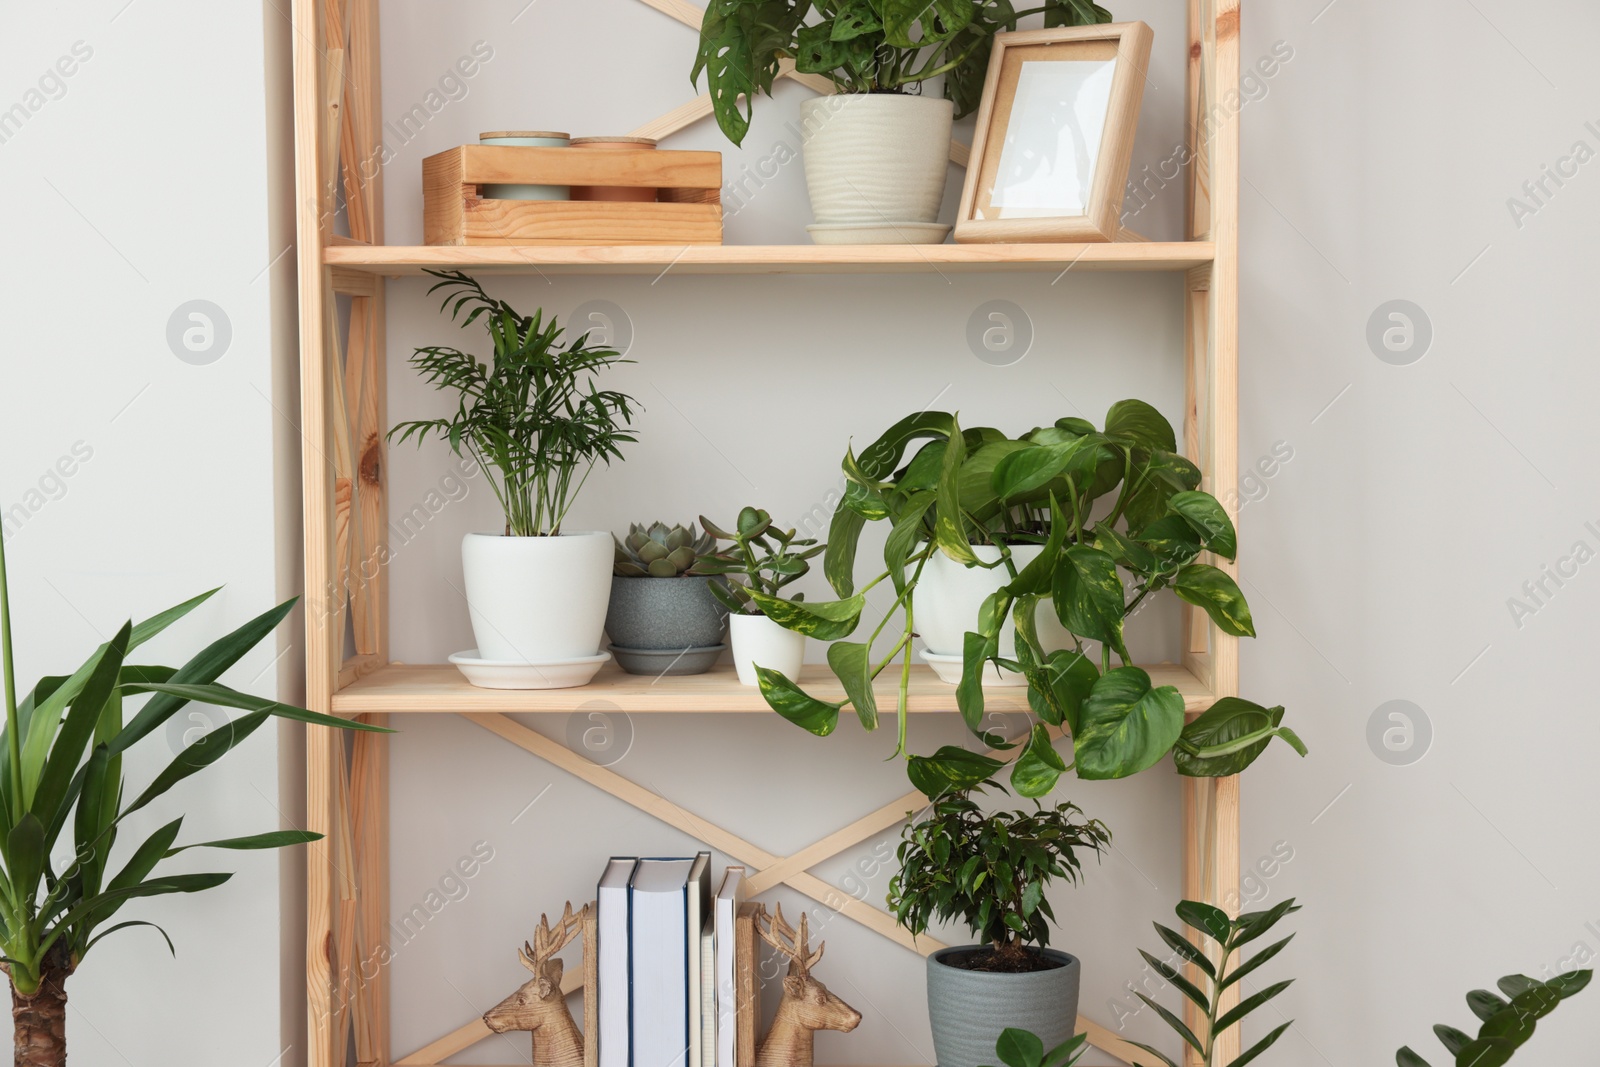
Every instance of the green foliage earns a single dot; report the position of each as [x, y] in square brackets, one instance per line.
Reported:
[1217, 974]
[761, 560]
[990, 871]
[534, 420]
[1507, 1021]
[1119, 516]
[1021, 1048]
[63, 775]
[660, 551]
[861, 46]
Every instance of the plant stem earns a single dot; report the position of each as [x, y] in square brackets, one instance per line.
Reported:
[12, 729]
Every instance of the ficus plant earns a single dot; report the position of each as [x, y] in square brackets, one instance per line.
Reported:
[1218, 971]
[1507, 1019]
[990, 872]
[1118, 516]
[62, 780]
[862, 46]
[532, 417]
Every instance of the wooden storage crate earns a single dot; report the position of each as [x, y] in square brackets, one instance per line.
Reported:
[688, 211]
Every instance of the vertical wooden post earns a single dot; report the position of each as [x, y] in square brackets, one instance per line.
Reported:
[1211, 806]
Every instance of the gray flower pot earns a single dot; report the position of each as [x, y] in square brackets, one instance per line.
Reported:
[664, 613]
[969, 1009]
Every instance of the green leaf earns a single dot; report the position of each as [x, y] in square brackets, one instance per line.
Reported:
[1250, 1004]
[952, 769]
[1254, 924]
[1038, 577]
[909, 531]
[1513, 985]
[1222, 727]
[1157, 1053]
[1207, 918]
[1451, 1038]
[1176, 1023]
[1029, 469]
[25, 855]
[1207, 587]
[1019, 1048]
[1570, 983]
[76, 731]
[1406, 1058]
[975, 653]
[839, 563]
[271, 839]
[1088, 596]
[939, 19]
[880, 459]
[1068, 1052]
[1040, 766]
[1173, 975]
[1171, 540]
[1484, 1004]
[1190, 952]
[827, 620]
[1210, 521]
[1126, 725]
[949, 524]
[793, 703]
[200, 755]
[222, 696]
[1487, 1053]
[103, 934]
[106, 904]
[1072, 677]
[1134, 422]
[1256, 961]
[1261, 1046]
[852, 664]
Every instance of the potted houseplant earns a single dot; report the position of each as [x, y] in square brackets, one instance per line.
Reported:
[761, 560]
[63, 781]
[536, 423]
[877, 151]
[990, 872]
[663, 618]
[1023, 511]
[1508, 1020]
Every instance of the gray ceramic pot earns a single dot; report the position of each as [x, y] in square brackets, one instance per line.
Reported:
[663, 613]
[969, 1009]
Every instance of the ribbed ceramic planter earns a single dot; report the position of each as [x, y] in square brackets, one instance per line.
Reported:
[970, 1009]
[663, 613]
[876, 158]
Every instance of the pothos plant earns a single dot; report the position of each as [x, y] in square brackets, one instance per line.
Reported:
[1119, 517]
[862, 46]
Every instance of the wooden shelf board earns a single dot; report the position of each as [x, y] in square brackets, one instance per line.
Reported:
[399, 260]
[441, 688]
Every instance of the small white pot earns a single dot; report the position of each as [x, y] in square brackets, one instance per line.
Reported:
[537, 599]
[876, 158]
[758, 641]
[948, 597]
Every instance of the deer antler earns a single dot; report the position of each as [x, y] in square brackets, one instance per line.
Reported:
[547, 942]
[783, 937]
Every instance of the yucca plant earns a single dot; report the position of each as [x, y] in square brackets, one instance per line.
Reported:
[1219, 971]
[64, 744]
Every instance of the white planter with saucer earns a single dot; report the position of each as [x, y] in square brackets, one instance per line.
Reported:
[538, 602]
[758, 641]
[947, 600]
[876, 165]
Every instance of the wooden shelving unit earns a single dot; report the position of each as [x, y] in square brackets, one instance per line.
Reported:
[337, 104]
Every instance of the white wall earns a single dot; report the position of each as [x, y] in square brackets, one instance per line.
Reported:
[134, 185]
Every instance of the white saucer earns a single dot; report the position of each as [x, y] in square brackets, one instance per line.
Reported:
[506, 674]
[878, 233]
[948, 669]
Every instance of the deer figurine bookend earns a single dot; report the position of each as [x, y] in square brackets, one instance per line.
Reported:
[539, 1006]
[807, 1005]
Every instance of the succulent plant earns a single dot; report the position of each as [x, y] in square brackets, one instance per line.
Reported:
[660, 551]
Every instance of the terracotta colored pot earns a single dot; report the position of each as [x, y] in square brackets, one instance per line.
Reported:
[614, 193]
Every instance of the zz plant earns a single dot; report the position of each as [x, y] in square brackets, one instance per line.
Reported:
[1219, 971]
[533, 419]
[1119, 517]
[1508, 1021]
[62, 780]
[862, 46]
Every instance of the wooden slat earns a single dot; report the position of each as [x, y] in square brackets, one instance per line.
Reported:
[361, 382]
[372, 879]
[678, 118]
[341, 454]
[1197, 198]
[332, 116]
[480, 164]
[470, 1033]
[401, 260]
[347, 282]
[442, 688]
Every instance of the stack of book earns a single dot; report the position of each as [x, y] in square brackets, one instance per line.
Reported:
[668, 962]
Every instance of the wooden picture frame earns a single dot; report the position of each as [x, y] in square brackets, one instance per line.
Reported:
[1109, 62]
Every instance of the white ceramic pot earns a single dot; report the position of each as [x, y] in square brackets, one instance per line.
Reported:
[948, 597]
[877, 159]
[758, 641]
[537, 599]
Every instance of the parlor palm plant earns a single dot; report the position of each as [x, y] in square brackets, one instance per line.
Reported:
[62, 778]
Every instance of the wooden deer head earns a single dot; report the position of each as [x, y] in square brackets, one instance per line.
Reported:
[539, 1006]
[807, 1005]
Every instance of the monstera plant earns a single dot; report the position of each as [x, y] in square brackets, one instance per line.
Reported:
[63, 802]
[1078, 527]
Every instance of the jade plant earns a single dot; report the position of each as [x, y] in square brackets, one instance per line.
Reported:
[64, 799]
[761, 560]
[1118, 516]
[660, 551]
[533, 417]
[1508, 1021]
[862, 46]
[1216, 972]
[990, 872]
